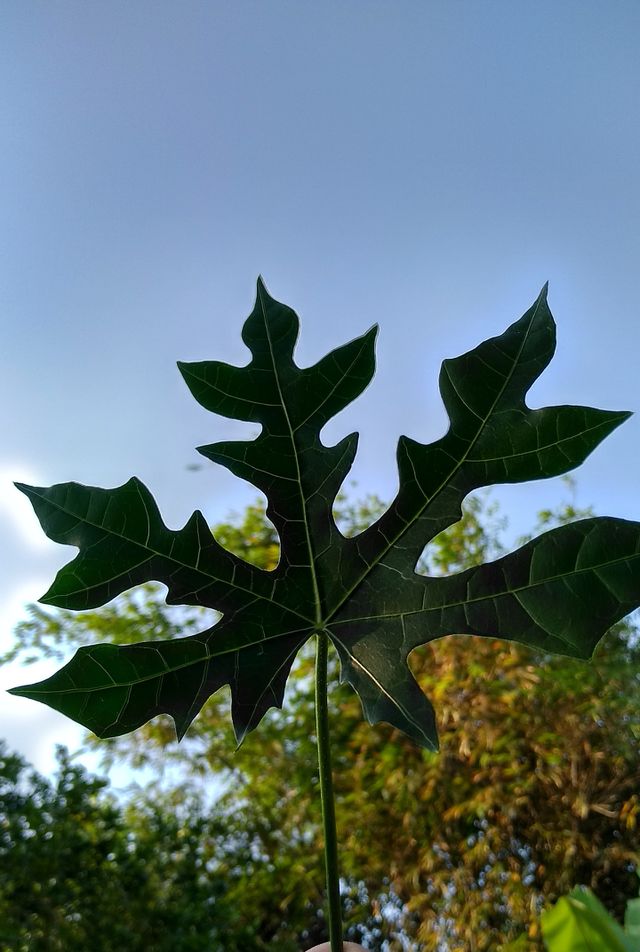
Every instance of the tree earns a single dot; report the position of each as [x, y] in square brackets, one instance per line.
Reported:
[79, 870]
[534, 791]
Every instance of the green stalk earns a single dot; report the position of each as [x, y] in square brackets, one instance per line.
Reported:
[326, 794]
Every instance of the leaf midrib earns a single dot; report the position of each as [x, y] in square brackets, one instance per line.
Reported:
[186, 370]
[162, 555]
[547, 446]
[443, 485]
[483, 598]
[355, 661]
[170, 669]
[303, 501]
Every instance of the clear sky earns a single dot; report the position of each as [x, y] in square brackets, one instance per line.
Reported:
[425, 165]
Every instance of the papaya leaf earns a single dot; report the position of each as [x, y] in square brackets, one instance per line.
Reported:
[559, 592]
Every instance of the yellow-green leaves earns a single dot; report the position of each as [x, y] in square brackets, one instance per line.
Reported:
[560, 592]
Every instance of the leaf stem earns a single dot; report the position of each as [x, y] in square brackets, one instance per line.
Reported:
[326, 793]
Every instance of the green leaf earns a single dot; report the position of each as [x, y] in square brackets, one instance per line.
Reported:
[560, 592]
[579, 923]
[632, 920]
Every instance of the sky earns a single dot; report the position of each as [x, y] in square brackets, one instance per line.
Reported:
[422, 165]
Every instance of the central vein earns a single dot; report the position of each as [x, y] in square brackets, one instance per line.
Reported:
[303, 501]
[391, 542]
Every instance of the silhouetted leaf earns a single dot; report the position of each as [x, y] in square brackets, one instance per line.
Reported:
[559, 593]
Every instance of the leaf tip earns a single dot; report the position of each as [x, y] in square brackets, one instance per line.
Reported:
[181, 726]
[240, 731]
[433, 744]
[184, 368]
[23, 690]
[25, 488]
[50, 599]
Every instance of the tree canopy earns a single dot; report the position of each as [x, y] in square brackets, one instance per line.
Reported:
[534, 790]
[79, 870]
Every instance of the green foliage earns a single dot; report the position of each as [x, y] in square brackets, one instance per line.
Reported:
[180, 877]
[80, 871]
[632, 918]
[558, 593]
[579, 923]
[535, 788]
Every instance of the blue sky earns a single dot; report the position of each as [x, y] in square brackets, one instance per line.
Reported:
[423, 165]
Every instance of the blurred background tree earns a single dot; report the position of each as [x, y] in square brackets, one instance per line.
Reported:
[534, 791]
[79, 870]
